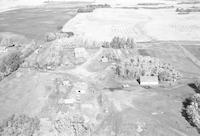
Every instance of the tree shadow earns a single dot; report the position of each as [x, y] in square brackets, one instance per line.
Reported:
[185, 115]
[193, 86]
[186, 103]
[184, 111]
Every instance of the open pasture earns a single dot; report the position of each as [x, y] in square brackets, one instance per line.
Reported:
[195, 50]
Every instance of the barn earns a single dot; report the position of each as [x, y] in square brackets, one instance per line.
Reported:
[149, 80]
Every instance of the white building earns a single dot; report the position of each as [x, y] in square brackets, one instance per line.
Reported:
[149, 80]
[66, 101]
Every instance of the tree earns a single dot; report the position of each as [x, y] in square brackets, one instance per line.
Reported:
[164, 76]
[197, 84]
[19, 125]
[193, 110]
[10, 63]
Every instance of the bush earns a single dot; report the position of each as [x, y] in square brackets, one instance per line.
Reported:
[85, 10]
[19, 125]
[50, 37]
[134, 67]
[10, 63]
[99, 6]
[6, 42]
[29, 49]
[118, 42]
[164, 76]
[71, 125]
[188, 10]
[197, 84]
[91, 8]
[58, 35]
[193, 110]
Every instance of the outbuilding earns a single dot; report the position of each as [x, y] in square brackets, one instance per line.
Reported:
[149, 80]
[104, 59]
[66, 101]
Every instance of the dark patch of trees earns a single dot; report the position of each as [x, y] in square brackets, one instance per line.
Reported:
[118, 43]
[57, 35]
[19, 125]
[10, 63]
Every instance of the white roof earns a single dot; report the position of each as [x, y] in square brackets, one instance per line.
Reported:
[148, 80]
[67, 101]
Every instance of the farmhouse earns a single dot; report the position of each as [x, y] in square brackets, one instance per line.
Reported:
[148, 80]
[80, 53]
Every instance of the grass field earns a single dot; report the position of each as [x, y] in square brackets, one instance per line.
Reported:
[35, 22]
[195, 50]
[169, 52]
[141, 24]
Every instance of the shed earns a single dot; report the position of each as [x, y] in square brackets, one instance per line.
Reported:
[104, 59]
[80, 52]
[66, 101]
[149, 80]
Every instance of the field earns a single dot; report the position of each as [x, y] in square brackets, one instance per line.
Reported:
[122, 111]
[35, 22]
[171, 53]
[195, 50]
[142, 24]
[71, 84]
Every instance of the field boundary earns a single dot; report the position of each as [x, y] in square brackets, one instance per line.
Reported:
[190, 55]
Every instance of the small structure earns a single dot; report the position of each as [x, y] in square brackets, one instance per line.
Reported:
[149, 80]
[80, 52]
[66, 101]
[104, 59]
